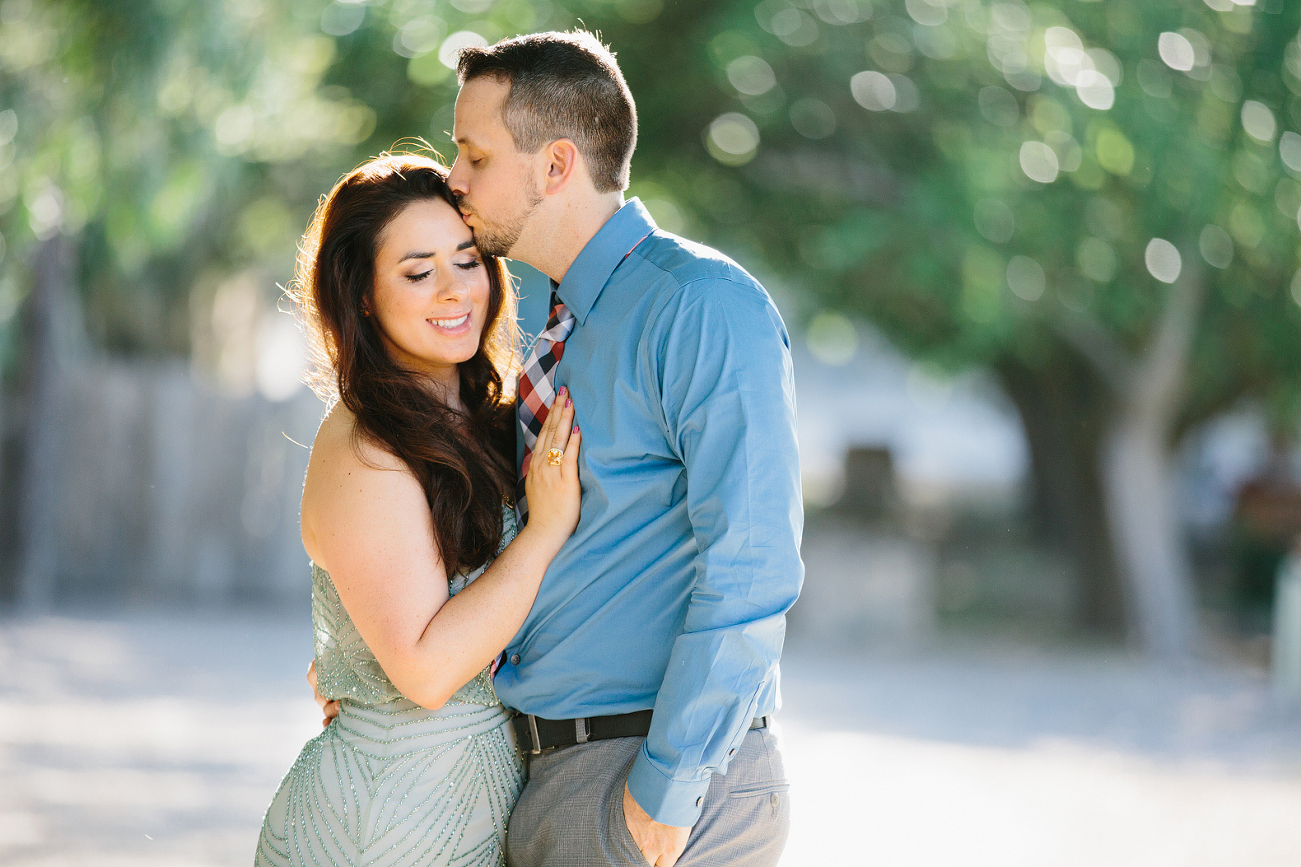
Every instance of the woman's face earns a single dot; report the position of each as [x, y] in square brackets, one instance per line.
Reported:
[431, 290]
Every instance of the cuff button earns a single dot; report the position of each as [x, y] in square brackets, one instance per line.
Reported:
[514, 659]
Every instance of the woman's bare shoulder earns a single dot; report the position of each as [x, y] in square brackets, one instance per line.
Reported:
[351, 480]
[340, 448]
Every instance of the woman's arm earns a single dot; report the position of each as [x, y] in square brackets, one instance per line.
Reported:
[367, 523]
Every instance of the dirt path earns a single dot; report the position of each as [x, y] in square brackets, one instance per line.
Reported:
[158, 739]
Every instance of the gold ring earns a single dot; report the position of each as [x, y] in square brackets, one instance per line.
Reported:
[554, 456]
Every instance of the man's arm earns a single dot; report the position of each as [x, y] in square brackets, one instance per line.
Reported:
[729, 406]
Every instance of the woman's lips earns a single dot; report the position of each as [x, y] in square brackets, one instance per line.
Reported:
[451, 325]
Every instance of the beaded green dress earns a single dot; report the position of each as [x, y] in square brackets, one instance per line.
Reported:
[390, 783]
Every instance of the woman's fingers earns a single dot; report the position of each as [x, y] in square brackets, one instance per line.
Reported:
[570, 460]
[564, 413]
[554, 433]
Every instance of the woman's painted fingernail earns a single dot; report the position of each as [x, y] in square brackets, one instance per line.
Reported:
[568, 403]
[575, 428]
[563, 390]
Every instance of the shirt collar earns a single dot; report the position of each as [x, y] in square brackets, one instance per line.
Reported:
[600, 257]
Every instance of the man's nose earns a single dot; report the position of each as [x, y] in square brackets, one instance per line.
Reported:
[456, 178]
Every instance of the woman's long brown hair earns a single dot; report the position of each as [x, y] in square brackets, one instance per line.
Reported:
[463, 461]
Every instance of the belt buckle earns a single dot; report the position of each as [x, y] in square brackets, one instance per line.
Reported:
[533, 732]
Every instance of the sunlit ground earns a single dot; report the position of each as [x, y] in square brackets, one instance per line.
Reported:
[158, 739]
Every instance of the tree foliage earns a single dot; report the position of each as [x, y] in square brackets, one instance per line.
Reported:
[992, 182]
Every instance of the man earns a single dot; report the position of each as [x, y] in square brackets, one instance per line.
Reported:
[671, 595]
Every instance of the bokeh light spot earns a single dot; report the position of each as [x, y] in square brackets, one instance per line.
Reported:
[419, 36]
[1069, 153]
[732, 139]
[340, 19]
[1096, 260]
[998, 106]
[873, 90]
[1039, 162]
[1095, 89]
[813, 118]
[1114, 152]
[1176, 51]
[839, 12]
[1258, 121]
[1246, 225]
[929, 12]
[1287, 196]
[638, 11]
[450, 50]
[1155, 79]
[1289, 150]
[8, 125]
[1216, 247]
[832, 339]
[1163, 260]
[1026, 279]
[907, 97]
[751, 75]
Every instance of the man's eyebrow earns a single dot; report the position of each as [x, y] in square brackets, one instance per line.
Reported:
[464, 245]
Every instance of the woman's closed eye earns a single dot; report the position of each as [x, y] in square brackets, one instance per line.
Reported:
[470, 265]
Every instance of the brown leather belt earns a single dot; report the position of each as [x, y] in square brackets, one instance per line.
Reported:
[536, 735]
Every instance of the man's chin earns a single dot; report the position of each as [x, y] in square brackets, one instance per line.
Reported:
[492, 244]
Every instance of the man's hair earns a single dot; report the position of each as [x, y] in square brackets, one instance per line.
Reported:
[563, 85]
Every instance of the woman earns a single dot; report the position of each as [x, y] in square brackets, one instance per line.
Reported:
[419, 578]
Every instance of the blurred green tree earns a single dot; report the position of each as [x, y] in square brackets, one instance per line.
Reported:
[1096, 201]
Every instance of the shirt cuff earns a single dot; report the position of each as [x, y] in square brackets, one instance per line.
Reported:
[669, 802]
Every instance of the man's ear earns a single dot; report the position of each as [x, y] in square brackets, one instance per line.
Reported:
[563, 161]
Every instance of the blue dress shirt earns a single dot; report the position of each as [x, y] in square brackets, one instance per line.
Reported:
[672, 592]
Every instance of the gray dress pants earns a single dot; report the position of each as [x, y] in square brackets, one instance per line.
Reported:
[571, 811]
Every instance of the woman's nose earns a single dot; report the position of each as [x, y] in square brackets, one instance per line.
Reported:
[449, 286]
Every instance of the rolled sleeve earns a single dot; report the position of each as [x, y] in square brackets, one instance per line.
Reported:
[728, 400]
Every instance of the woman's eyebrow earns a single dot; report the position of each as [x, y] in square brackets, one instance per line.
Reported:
[464, 245]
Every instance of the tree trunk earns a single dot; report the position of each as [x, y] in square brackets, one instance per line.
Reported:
[1063, 408]
[1139, 493]
[1149, 544]
[1134, 455]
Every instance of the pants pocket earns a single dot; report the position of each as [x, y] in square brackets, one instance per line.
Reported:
[616, 825]
[769, 799]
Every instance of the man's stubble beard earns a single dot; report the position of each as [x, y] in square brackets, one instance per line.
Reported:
[498, 239]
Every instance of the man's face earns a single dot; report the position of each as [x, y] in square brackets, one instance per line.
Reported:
[493, 181]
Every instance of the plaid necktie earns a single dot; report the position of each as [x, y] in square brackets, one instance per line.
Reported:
[537, 388]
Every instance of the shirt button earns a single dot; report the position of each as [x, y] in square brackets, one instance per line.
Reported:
[731, 752]
[699, 801]
[514, 659]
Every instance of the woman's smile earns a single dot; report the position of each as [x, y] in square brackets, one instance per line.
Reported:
[454, 326]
